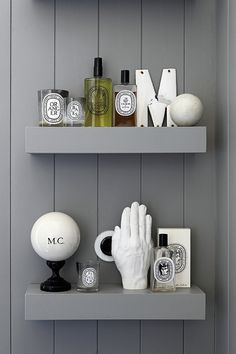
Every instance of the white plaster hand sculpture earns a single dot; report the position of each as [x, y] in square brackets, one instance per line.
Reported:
[131, 246]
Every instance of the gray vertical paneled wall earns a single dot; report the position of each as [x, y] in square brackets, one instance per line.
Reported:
[120, 46]
[32, 60]
[222, 167]
[76, 32]
[199, 172]
[232, 173]
[52, 43]
[226, 177]
[162, 175]
[5, 258]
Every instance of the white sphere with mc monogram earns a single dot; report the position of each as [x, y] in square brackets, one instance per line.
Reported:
[55, 236]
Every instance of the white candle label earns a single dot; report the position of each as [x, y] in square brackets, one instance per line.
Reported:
[53, 108]
[164, 270]
[180, 256]
[89, 277]
[74, 111]
[125, 103]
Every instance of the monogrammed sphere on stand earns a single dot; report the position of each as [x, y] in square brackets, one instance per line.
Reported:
[55, 237]
[186, 110]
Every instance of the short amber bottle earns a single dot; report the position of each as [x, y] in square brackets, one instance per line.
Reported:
[125, 102]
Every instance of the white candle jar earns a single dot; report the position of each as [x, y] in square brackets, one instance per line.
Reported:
[88, 276]
[51, 105]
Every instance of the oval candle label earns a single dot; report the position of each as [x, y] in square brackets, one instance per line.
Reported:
[164, 270]
[53, 108]
[125, 103]
[180, 256]
[89, 277]
[74, 111]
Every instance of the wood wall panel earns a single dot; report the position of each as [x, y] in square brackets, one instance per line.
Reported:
[222, 167]
[119, 181]
[31, 177]
[162, 175]
[200, 197]
[76, 195]
[119, 45]
[155, 337]
[119, 176]
[5, 60]
[119, 336]
[76, 176]
[118, 187]
[231, 76]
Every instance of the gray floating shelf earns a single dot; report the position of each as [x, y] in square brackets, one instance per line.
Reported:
[61, 140]
[114, 303]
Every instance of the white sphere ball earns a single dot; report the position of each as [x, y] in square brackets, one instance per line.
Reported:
[186, 110]
[55, 236]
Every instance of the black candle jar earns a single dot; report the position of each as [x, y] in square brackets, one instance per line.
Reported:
[51, 105]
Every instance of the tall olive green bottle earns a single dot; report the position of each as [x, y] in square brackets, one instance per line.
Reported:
[98, 94]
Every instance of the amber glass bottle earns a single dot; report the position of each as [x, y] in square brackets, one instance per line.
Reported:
[125, 102]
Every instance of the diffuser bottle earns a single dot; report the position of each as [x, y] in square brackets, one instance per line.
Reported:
[125, 102]
[162, 267]
[98, 94]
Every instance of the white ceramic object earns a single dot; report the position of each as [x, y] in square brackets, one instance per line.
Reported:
[55, 236]
[97, 245]
[186, 110]
[131, 246]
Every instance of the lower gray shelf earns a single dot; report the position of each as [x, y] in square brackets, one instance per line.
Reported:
[114, 303]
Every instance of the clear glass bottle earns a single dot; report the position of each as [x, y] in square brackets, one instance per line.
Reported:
[125, 102]
[162, 267]
[98, 95]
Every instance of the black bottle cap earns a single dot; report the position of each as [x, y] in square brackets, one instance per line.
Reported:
[97, 69]
[125, 76]
[163, 240]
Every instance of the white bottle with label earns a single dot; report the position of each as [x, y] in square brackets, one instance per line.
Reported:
[162, 267]
[125, 102]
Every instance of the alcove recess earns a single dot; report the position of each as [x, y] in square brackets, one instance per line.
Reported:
[113, 302]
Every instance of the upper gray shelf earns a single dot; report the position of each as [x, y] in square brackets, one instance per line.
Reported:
[60, 140]
[114, 303]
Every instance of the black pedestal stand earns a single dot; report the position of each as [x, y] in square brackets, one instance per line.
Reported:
[55, 283]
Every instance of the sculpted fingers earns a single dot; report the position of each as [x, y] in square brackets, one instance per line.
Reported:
[134, 220]
[142, 222]
[125, 224]
[148, 228]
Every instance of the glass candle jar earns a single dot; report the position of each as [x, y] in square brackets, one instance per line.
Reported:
[51, 106]
[75, 112]
[88, 276]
